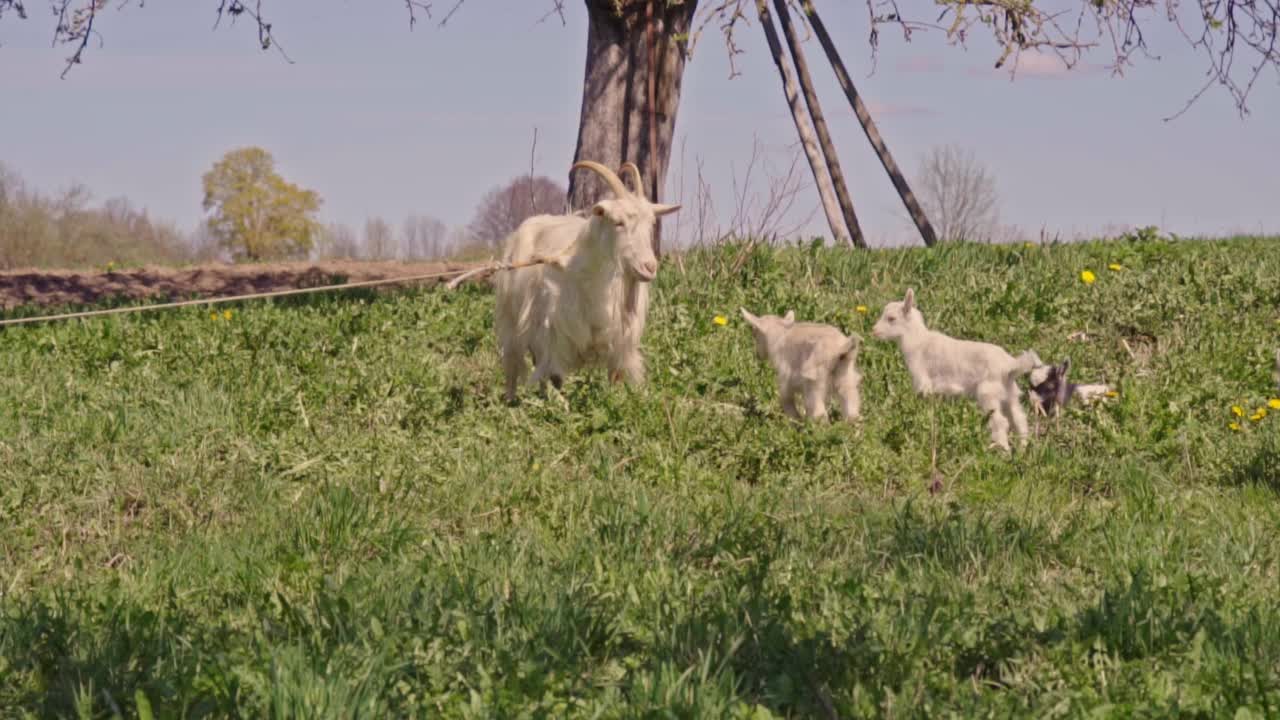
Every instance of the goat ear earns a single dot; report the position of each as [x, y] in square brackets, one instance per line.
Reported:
[751, 319]
[660, 210]
[790, 317]
[909, 300]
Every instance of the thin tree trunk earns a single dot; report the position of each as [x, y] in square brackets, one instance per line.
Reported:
[820, 124]
[868, 125]
[803, 130]
[614, 126]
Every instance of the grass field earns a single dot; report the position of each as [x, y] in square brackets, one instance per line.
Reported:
[322, 508]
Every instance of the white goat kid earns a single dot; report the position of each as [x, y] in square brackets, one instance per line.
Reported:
[811, 360]
[586, 304]
[943, 365]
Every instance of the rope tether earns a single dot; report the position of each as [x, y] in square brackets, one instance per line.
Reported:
[461, 276]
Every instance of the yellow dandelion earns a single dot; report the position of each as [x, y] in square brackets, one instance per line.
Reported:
[1258, 414]
[720, 320]
[1234, 426]
[1116, 267]
[1087, 277]
[1274, 403]
[1028, 245]
[1112, 393]
[213, 316]
[862, 309]
[226, 314]
[1237, 411]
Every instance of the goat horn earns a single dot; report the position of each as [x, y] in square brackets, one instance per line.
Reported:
[630, 167]
[614, 182]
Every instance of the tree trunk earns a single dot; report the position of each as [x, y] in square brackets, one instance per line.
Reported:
[803, 130]
[820, 124]
[615, 122]
[869, 127]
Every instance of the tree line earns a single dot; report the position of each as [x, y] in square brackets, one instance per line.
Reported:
[253, 214]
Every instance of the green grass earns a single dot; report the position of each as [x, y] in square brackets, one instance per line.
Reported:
[322, 508]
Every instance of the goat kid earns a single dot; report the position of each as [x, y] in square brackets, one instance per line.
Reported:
[811, 360]
[943, 365]
[586, 305]
[1051, 390]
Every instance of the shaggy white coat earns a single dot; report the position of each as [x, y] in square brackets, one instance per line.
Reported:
[943, 365]
[587, 306]
[812, 361]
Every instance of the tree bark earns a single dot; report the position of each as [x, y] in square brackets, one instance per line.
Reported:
[803, 130]
[869, 127]
[820, 125]
[615, 122]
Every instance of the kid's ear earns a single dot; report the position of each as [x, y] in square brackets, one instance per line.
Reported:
[790, 317]
[909, 301]
[751, 319]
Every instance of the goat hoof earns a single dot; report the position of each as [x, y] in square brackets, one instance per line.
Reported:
[557, 381]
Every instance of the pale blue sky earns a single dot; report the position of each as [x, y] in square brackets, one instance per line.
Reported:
[388, 122]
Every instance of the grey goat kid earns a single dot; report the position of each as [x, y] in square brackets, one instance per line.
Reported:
[811, 360]
[1051, 390]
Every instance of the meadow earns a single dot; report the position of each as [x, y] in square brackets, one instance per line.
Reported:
[321, 506]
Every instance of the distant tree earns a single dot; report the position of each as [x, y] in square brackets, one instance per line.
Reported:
[379, 240]
[337, 241]
[959, 194]
[255, 213]
[506, 206]
[66, 231]
[424, 237]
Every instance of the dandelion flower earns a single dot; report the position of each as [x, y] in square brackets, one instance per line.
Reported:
[1258, 414]
[720, 320]
[1274, 403]
[226, 314]
[862, 309]
[1237, 411]
[1112, 393]
[1028, 245]
[1116, 267]
[1234, 426]
[213, 316]
[1087, 277]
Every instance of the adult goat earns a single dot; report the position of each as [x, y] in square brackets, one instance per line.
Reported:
[586, 304]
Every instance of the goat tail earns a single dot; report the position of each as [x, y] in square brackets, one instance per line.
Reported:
[1023, 364]
[848, 356]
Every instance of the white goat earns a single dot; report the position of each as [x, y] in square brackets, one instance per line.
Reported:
[811, 360]
[945, 365]
[586, 305]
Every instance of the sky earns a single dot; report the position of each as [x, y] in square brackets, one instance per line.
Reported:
[386, 121]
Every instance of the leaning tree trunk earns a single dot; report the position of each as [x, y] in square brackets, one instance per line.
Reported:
[615, 123]
[803, 130]
[869, 127]
[820, 125]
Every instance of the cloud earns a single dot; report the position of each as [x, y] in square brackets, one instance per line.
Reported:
[882, 109]
[1036, 63]
[919, 64]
